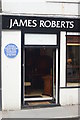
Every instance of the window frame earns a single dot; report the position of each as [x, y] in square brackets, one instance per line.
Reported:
[70, 34]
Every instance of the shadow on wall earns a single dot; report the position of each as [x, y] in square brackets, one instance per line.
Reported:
[79, 8]
[0, 100]
[40, 119]
[0, 6]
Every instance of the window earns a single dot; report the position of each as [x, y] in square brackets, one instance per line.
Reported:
[41, 39]
[73, 60]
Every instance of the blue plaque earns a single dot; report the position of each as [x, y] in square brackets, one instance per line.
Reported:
[11, 50]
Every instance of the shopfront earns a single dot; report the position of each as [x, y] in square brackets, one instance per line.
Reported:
[40, 60]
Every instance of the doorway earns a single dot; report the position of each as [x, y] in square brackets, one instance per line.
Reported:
[40, 74]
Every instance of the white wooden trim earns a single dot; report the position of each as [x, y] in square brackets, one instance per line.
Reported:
[53, 75]
[73, 33]
[56, 76]
[37, 99]
[63, 59]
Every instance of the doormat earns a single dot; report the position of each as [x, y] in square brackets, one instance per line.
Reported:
[39, 103]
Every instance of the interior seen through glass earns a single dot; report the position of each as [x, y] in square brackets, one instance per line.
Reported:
[73, 61]
[40, 73]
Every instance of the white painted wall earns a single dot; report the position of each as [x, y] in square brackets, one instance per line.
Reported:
[64, 1]
[41, 7]
[69, 96]
[11, 72]
[44, 1]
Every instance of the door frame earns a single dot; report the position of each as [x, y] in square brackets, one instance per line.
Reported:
[57, 47]
[56, 73]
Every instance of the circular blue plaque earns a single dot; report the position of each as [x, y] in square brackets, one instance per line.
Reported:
[11, 50]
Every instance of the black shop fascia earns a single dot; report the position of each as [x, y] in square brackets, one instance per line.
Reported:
[40, 23]
[40, 83]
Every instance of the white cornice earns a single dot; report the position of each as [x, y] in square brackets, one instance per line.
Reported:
[40, 15]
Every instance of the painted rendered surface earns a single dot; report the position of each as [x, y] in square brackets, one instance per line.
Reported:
[69, 96]
[41, 7]
[11, 72]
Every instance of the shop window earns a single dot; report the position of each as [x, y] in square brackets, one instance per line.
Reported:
[73, 60]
